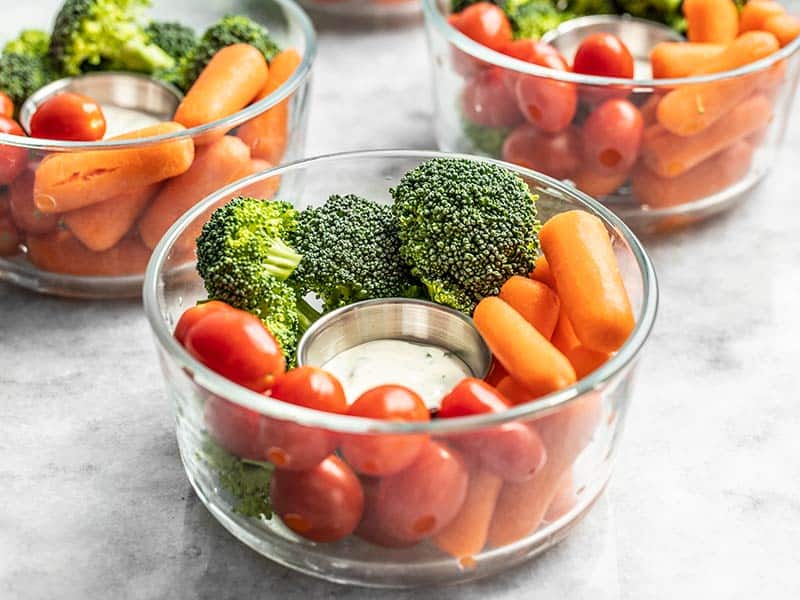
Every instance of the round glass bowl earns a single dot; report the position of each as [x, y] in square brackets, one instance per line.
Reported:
[368, 10]
[489, 103]
[581, 425]
[101, 250]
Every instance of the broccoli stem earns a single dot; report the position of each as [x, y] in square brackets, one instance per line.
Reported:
[138, 56]
[282, 260]
[306, 313]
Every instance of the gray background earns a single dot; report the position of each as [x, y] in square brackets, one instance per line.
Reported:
[705, 500]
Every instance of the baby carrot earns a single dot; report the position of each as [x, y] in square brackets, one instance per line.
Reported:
[689, 109]
[512, 391]
[23, 209]
[593, 183]
[61, 252]
[232, 78]
[521, 507]
[583, 360]
[536, 302]
[755, 14]
[784, 27]
[266, 188]
[216, 165]
[525, 353]
[541, 272]
[100, 226]
[680, 59]
[267, 133]
[669, 155]
[564, 499]
[578, 248]
[466, 535]
[714, 21]
[70, 180]
[707, 178]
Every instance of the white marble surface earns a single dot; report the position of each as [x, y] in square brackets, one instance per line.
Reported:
[705, 501]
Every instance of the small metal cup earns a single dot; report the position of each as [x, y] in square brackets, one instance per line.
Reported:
[396, 319]
[124, 90]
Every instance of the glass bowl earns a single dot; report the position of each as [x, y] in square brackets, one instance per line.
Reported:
[101, 250]
[491, 104]
[581, 424]
[369, 10]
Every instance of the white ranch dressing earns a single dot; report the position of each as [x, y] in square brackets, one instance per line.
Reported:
[123, 120]
[430, 371]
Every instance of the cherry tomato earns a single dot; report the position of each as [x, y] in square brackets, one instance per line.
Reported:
[384, 454]
[5, 196]
[26, 215]
[371, 527]
[496, 372]
[236, 345]
[9, 237]
[554, 154]
[6, 106]
[547, 103]
[191, 316]
[535, 52]
[605, 55]
[513, 451]
[612, 136]
[296, 447]
[421, 500]
[69, 117]
[464, 64]
[486, 100]
[323, 504]
[13, 159]
[484, 23]
[237, 429]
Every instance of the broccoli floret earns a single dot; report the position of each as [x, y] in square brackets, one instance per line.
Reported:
[488, 140]
[22, 75]
[92, 34]
[231, 29]
[175, 39]
[350, 252]
[30, 42]
[663, 11]
[244, 261]
[465, 227]
[245, 480]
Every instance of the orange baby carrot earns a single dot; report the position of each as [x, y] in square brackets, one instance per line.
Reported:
[755, 14]
[669, 155]
[689, 109]
[649, 108]
[525, 353]
[266, 188]
[564, 499]
[583, 360]
[230, 81]
[589, 284]
[100, 226]
[541, 272]
[216, 165]
[593, 183]
[706, 179]
[267, 133]
[70, 180]
[680, 59]
[714, 21]
[784, 27]
[534, 300]
[466, 535]
[61, 252]
[521, 507]
[512, 391]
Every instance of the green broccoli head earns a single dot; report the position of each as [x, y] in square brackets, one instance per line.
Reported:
[175, 39]
[231, 29]
[21, 75]
[663, 11]
[350, 252]
[244, 260]
[487, 140]
[246, 481]
[92, 34]
[30, 42]
[465, 227]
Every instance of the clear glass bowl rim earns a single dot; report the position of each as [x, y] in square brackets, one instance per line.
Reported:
[218, 385]
[434, 16]
[296, 15]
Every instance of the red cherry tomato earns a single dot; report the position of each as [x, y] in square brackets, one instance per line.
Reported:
[535, 52]
[236, 345]
[554, 154]
[486, 100]
[384, 454]
[612, 137]
[69, 117]
[323, 504]
[13, 159]
[23, 209]
[419, 501]
[513, 451]
[485, 23]
[547, 103]
[496, 373]
[191, 316]
[605, 55]
[371, 527]
[237, 429]
[296, 447]
[9, 237]
[6, 106]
